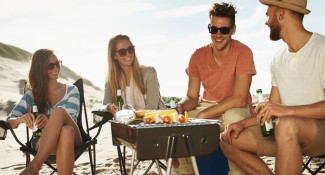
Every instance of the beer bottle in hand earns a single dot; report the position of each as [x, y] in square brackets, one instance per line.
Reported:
[267, 129]
[119, 99]
[37, 131]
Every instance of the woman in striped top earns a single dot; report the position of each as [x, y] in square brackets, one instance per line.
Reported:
[58, 108]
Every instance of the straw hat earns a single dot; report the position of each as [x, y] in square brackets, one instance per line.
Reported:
[294, 5]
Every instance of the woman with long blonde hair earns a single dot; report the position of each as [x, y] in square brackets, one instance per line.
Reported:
[139, 84]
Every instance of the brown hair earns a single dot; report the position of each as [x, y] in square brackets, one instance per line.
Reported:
[223, 10]
[38, 78]
[115, 75]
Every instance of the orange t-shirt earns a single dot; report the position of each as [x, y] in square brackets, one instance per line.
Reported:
[219, 81]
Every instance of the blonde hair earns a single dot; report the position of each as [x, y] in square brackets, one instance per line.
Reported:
[115, 77]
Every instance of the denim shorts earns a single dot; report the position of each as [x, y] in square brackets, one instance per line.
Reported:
[34, 141]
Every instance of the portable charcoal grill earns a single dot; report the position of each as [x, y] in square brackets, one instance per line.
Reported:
[196, 137]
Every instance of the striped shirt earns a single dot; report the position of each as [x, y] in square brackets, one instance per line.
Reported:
[70, 103]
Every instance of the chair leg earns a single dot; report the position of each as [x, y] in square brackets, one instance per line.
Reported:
[27, 159]
[51, 166]
[319, 168]
[94, 159]
[305, 165]
[91, 160]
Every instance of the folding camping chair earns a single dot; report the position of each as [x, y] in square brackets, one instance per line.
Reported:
[89, 142]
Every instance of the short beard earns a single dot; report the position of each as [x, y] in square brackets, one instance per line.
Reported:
[275, 30]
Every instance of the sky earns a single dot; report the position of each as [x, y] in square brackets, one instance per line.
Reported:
[165, 34]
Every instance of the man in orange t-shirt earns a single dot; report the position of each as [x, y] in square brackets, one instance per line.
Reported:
[224, 68]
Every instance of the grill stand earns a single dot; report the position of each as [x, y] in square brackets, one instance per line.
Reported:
[121, 158]
[171, 145]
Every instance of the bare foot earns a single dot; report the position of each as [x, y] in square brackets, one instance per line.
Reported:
[29, 170]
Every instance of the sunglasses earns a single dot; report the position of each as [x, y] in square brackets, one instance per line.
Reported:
[51, 66]
[223, 30]
[122, 52]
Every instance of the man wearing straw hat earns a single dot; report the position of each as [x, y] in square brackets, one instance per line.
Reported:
[297, 98]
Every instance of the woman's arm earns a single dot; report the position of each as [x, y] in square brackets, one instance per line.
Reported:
[21, 112]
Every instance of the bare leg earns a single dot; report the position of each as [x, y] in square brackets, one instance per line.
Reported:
[65, 152]
[242, 152]
[292, 134]
[50, 139]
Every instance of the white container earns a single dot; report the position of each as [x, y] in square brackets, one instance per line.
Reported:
[125, 116]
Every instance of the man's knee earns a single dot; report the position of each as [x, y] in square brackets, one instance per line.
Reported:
[286, 127]
[234, 115]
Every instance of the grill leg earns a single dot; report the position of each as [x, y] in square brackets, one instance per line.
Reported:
[169, 166]
[132, 161]
[194, 164]
[171, 145]
[121, 161]
[158, 167]
[190, 149]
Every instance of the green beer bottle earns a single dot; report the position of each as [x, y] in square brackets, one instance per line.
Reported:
[119, 99]
[37, 132]
[266, 129]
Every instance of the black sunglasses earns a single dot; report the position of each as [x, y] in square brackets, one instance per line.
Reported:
[223, 30]
[122, 52]
[58, 64]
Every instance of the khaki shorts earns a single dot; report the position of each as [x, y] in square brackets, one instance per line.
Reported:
[266, 146]
[230, 116]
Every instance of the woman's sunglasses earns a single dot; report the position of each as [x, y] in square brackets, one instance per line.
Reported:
[51, 66]
[122, 52]
[223, 30]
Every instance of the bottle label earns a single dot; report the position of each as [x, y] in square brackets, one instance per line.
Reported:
[35, 109]
[268, 125]
[172, 104]
[119, 93]
[34, 129]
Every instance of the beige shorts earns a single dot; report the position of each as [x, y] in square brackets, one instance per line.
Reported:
[230, 116]
[266, 146]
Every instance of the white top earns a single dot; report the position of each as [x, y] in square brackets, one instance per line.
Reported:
[129, 101]
[300, 77]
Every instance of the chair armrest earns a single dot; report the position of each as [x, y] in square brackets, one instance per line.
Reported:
[103, 116]
[5, 125]
[3, 129]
